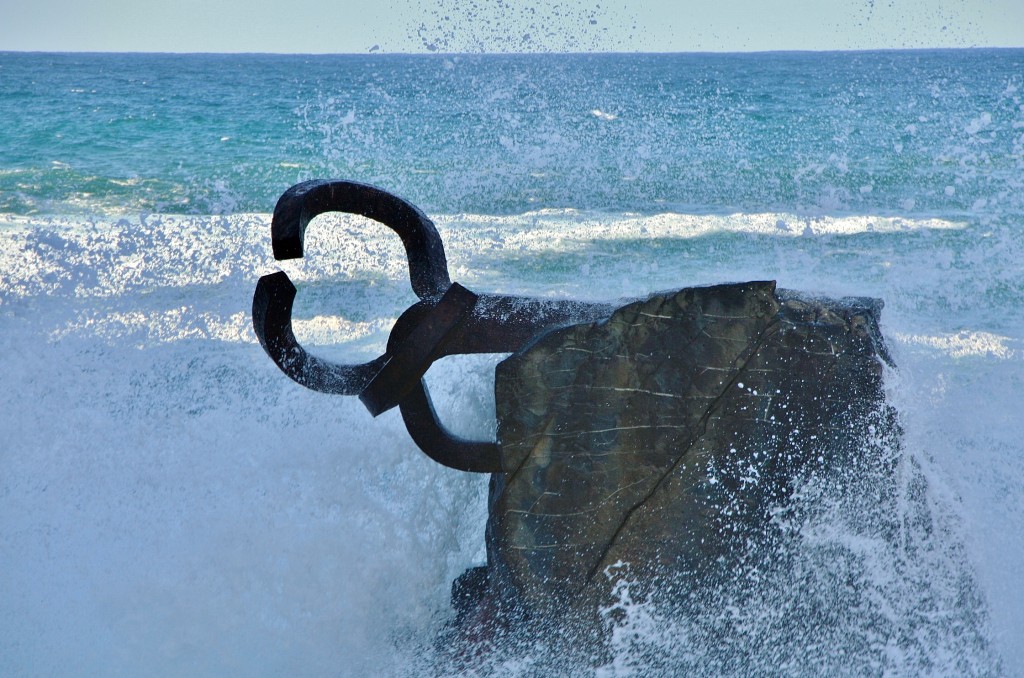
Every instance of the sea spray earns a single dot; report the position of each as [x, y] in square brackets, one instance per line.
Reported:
[170, 503]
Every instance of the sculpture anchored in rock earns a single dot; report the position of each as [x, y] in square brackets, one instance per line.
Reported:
[448, 319]
[658, 434]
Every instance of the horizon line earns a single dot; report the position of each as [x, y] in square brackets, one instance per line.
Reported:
[380, 52]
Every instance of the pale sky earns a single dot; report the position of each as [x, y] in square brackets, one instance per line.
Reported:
[389, 26]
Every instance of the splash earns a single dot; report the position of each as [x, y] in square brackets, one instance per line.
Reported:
[502, 26]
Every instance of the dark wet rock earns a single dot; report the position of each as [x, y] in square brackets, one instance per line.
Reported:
[659, 441]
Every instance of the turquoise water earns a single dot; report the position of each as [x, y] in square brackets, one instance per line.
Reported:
[861, 132]
[170, 503]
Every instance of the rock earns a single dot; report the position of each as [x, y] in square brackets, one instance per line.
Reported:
[658, 442]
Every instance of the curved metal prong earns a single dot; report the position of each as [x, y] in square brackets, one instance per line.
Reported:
[439, 443]
[272, 320]
[428, 268]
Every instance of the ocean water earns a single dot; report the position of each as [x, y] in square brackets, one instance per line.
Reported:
[171, 504]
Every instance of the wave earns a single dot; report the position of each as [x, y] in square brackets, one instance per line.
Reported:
[170, 500]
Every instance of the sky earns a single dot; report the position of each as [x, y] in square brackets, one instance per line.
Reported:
[390, 26]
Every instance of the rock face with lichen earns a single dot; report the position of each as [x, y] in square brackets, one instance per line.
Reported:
[661, 438]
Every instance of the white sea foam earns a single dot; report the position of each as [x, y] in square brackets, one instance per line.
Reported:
[964, 344]
[172, 503]
[571, 226]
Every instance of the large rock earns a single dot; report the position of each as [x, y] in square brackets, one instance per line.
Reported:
[658, 441]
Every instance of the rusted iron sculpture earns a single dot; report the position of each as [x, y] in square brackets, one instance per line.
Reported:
[449, 319]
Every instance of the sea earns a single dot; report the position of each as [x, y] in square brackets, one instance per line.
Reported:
[172, 504]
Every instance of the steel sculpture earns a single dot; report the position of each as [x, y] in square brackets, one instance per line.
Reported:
[447, 320]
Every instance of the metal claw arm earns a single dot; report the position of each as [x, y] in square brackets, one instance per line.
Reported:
[275, 293]
[428, 268]
[448, 319]
[272, 320]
